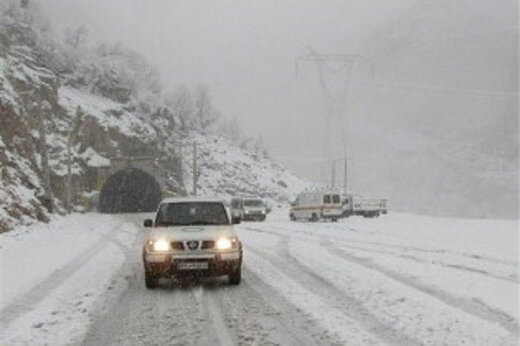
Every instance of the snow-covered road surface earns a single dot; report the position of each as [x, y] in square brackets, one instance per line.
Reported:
[400, 279]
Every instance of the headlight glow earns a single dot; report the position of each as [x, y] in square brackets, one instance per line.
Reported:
[263, 211]
[161, 245]
[224, 244]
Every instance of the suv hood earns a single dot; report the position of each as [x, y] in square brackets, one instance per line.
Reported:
[197, 232]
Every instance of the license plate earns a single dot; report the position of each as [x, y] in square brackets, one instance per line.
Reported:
[192, 265]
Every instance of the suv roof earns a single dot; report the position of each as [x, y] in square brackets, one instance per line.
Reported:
[191, 199]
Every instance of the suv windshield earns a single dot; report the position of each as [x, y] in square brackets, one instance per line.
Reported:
[192, 213]
[253, 203]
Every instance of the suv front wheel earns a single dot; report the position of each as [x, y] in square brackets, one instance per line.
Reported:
[150, 280]
[235, 277]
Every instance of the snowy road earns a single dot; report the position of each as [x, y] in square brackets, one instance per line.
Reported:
[400, 279]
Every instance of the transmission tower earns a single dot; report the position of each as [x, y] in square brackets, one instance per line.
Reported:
[335, 116]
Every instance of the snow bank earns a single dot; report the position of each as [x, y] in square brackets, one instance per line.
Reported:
[51, 275]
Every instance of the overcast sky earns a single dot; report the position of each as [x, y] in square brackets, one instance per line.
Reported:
[244, 50]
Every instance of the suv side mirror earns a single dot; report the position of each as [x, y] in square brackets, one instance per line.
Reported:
[148, 223]
[235, 220]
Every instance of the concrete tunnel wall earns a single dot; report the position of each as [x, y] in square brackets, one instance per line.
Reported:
[128, 191]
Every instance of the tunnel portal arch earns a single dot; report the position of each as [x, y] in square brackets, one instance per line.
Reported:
[130, 190]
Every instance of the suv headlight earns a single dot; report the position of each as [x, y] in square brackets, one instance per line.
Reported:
[224, 244]
[161, 245]
[227, 244]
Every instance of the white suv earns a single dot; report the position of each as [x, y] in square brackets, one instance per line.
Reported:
[191, 236]
[249, 208]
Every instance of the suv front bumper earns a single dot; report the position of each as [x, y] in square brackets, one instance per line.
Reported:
[166, 265]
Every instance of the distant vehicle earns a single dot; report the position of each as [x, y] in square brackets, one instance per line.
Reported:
[191, 236]
[366, 207]
[249, 208]
[316, 206]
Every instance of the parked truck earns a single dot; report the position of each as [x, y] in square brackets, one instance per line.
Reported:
[366, 207]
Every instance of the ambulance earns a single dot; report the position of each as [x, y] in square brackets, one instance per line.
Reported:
[315, 206]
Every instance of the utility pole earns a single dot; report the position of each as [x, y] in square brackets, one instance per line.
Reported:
[181, 163]
[195, 173]
[45, 156]
[345, 176]
[69, 172]
[333, 174]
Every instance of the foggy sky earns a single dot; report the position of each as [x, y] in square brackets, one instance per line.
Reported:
[246, 52]
[432, 109]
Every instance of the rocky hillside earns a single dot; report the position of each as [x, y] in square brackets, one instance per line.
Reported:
[104, 104]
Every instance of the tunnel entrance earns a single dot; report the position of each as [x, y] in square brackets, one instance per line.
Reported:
[128, 191]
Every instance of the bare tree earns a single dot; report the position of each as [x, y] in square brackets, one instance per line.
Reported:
[76, 37]
[181, 103]
[230, 129]
[258, 146]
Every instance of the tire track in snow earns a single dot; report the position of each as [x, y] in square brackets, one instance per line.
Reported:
[415, 248]
[213, 309]
[28, 301]
[171, 314]
[333, 296]
[471, 307]
[491, 333]
[438, 263]
[260, 315]
[342, 227]
[378, 250]
[115, 307]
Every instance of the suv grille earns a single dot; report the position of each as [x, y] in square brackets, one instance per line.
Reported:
[208, 244]
[177, 245]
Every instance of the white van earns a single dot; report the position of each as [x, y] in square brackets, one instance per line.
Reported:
[314, 206]
[249, 208]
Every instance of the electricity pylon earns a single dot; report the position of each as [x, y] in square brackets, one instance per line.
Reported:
[335, 117]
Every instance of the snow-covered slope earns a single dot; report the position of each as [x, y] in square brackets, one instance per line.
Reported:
[226, 170]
